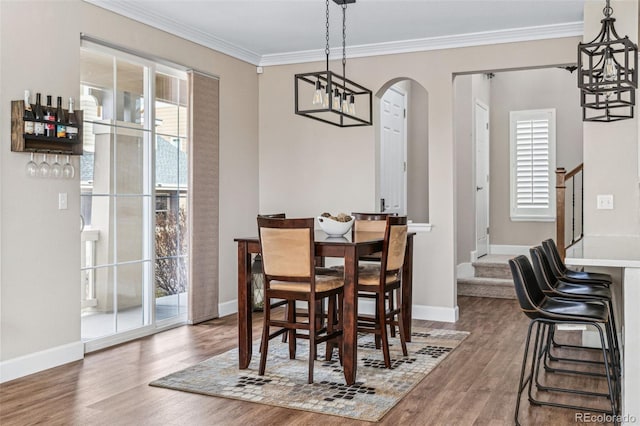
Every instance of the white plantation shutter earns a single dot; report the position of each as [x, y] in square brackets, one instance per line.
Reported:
[533, 165]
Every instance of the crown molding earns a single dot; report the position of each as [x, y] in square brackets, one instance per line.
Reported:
[137, 12]
[571, 29]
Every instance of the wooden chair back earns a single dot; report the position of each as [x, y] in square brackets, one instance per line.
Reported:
[287, 247]
[274, 215]
[394, 246]
[369, 222]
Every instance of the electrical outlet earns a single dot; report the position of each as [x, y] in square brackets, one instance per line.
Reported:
[605, 202]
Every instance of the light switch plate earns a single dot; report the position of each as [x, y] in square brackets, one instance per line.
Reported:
[605, 202]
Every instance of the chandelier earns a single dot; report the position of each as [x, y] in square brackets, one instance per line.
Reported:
[608, 74]
[330, 97]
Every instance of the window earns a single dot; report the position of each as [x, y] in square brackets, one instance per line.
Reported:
[533, 152]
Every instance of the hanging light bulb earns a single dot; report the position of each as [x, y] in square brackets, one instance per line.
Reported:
[336, 100]
[352, 105]
[609, 72]
[325, 97]
[317, 95]
[344, 106]
[610, 69]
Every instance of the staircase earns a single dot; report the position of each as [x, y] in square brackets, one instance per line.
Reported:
[491, 278]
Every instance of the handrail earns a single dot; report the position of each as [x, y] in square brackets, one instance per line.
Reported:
[562, 177]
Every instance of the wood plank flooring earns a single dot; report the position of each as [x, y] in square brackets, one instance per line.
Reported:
[476, 384]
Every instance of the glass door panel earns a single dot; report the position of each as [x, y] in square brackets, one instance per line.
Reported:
[132, 312]
[171, 188]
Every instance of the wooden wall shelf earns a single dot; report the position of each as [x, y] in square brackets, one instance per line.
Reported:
[21, 142]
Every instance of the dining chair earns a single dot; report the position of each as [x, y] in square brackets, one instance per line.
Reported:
[289, 305]
[288, 262]
[545, 313]
[380, 282]
[370, 222]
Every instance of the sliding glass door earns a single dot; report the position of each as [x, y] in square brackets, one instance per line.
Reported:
[133, 198]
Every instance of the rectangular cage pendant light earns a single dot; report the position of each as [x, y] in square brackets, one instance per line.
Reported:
[330, 97]
[326, 101]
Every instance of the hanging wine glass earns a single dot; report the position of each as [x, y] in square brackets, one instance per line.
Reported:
[44, 169]
[67, 170]
[56, 169]
[32, 167]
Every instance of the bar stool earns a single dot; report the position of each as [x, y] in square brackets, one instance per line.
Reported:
[561, 271]
[554, 287]
[545, 312]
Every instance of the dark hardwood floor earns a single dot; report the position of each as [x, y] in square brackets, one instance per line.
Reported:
[476, 384]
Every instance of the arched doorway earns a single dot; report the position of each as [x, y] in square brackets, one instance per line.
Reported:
[402, 149]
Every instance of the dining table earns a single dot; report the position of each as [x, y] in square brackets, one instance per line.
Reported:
[350, 247]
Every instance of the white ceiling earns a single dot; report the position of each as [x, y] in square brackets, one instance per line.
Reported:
[266, 32]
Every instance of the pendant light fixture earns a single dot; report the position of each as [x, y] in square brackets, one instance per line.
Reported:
[608, 74]
[330, 97]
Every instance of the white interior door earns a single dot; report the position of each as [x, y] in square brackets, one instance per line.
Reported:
[393, 161]
[482, 178]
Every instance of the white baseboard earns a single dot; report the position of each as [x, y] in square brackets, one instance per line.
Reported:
[508, 249]
[431, 313]
[435, 313]
[39, 361]
[464, 270]
[228, 308]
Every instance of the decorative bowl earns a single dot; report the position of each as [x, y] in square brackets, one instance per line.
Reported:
[333, 228]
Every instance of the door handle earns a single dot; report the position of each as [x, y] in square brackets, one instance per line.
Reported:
[382, 206]
[478, 188]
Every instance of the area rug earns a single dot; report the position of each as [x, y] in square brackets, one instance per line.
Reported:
[284, 384]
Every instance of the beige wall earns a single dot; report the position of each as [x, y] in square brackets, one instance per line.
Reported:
[307, 167]
[525, 90]
[467, 90]
[611, 149]
[465, 201]
[418, 153]
[39, 282]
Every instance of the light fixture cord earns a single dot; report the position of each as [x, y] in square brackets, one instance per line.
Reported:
[326, 49]
[344, 41]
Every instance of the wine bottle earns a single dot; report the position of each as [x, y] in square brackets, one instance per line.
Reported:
[28, 117]
[61, 126]
[49, 117]
[72, 122]
[38, 128]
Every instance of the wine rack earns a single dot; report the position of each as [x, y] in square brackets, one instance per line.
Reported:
[22, 142]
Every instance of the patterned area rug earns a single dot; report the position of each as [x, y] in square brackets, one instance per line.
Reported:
[284, 384]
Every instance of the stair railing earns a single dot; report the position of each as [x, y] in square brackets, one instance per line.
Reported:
[571, 213]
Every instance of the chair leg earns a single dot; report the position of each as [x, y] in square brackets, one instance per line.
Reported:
[331, 315]
[538, 355]
[403, 340]
[392, 306]
[287, 316]
[522, 383]
[382, 323]
[264, 345]
[312, 337]
[377, 320]
[340, 324]
[292, 317]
